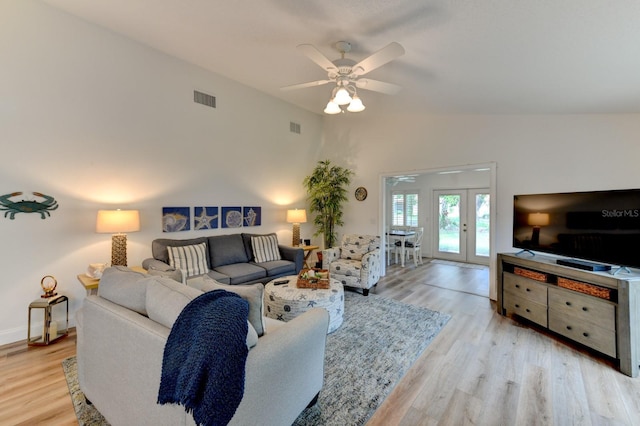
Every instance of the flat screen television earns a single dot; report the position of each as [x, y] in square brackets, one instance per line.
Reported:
[598, 226]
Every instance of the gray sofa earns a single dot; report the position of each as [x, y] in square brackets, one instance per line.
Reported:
[230, 259]
[123, 330]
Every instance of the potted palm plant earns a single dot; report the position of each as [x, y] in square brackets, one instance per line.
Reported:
[327, 191]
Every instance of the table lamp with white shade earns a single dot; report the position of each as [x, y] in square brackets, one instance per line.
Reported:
[537, 220]
[117, 222]
[296, 216]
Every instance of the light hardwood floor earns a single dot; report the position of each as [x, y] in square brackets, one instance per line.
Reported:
[485, 369]
[481, 369]
[33, 390]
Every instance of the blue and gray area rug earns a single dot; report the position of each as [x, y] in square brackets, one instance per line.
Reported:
[365, 358]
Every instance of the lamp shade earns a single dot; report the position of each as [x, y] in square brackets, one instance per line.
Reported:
[538, 219]
[342, 96]
[297, 216]
[356, 105]
[332, 108]
[117, 221]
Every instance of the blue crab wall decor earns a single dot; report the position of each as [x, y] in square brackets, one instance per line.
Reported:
[27, 206]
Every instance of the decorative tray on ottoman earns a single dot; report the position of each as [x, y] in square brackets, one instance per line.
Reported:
[313, 278]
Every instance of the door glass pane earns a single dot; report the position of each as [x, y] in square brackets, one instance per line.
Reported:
[482, 224]
[449, 224]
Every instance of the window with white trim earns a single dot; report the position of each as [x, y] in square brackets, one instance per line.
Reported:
[404, 208]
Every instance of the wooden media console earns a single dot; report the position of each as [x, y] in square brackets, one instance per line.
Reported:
[596, 309]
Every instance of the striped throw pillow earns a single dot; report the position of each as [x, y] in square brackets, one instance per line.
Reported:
[265, 248]
[191, 259]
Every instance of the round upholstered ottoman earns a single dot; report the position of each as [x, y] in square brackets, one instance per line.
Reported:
[287, 301]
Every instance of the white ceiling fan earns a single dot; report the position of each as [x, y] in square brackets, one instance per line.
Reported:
[346, 74]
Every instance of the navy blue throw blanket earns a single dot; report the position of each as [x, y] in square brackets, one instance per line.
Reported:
[204, 358]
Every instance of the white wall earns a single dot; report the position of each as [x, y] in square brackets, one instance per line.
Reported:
[533, 154]
[98, 121]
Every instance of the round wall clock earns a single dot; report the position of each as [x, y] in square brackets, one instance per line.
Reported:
[361, 193]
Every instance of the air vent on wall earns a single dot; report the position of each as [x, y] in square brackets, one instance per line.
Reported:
[294, 127]
[204, 99]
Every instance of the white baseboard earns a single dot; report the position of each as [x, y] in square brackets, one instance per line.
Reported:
[13, 335]
[17, 334]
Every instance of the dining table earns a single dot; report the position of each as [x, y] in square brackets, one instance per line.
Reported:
[402, 236]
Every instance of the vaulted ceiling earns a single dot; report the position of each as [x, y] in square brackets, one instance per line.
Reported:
[462, 56]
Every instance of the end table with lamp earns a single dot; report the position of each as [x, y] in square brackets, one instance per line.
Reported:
[307, 252]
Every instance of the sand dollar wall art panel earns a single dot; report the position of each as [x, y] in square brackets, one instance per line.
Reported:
[231, 217]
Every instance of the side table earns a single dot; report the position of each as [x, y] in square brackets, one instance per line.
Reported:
[91, 284]
[307, 252]
[51, 307]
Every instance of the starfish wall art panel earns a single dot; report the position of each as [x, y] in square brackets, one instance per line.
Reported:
[205, 218]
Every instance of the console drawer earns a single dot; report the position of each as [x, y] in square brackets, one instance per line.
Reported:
[590, 335]
[528, 309]
[583, 308]
[525, 288]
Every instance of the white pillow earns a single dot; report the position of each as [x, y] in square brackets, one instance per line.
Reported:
[192, 259]
[353, 251]
[265, 248]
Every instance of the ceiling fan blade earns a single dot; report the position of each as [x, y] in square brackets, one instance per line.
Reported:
[316, 56]
[304, 85]
[377, 86]
[386, 54]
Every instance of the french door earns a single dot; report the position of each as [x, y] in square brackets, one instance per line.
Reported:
[462, 228]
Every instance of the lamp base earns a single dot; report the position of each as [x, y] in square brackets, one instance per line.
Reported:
[119, 250]
[296, 235]
[535, 236]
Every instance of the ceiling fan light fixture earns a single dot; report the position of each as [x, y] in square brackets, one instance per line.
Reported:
[342, 96]
[332, 108]
[356, 104]
[346, 74]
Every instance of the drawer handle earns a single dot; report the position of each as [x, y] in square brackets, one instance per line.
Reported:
[569, 327]
[517, 285]
[528, 289]
[527, 310]
[584, 308]
[517, 306]
[568, 303]
[585, 334]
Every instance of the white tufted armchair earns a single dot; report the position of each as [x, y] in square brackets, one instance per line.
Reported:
[356, 263]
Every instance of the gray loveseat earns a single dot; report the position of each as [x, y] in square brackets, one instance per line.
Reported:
[123, 330]
[230, 259]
